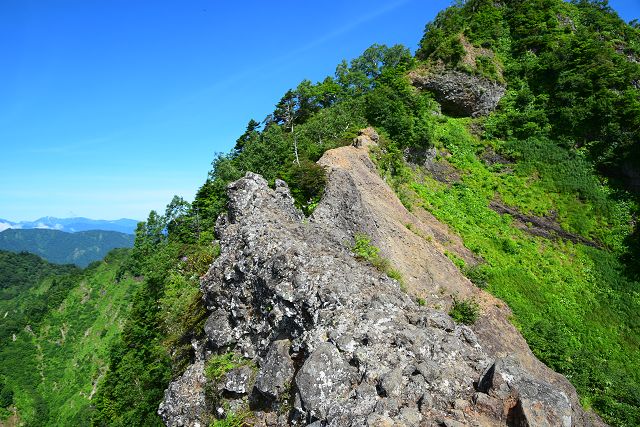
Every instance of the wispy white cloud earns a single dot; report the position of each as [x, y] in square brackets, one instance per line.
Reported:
[269, 67]
[70, 147]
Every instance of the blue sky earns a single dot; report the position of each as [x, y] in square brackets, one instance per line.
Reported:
[108, 109]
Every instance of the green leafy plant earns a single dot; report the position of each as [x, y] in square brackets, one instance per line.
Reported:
[233, 419]
[464, 311]
[220, 364]
[364, 250]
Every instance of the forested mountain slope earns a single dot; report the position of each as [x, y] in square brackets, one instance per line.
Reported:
[56, 338]
[81, 248]
[73, 225]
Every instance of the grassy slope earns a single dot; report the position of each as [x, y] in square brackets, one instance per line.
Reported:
[573, 303]
[53, 370]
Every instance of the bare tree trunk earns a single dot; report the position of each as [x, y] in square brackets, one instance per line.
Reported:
[295, 145]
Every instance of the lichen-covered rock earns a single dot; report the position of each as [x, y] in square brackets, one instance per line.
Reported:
[335, 341]
[184, 401]
[238, 380]
[538, 403]
[323, 381]
[276, 373]
[459, 93]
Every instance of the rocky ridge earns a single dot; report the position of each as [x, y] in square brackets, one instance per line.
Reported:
[327, 340]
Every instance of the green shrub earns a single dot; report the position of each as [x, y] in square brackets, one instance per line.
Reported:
[478, 274]
[235, 419]
[464, 311]
[364, 250]
[220, 364]
[307, 182]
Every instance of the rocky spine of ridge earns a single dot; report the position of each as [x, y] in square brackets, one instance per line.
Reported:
[324, 339]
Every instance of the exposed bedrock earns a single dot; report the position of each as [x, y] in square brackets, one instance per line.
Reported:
[328, 340]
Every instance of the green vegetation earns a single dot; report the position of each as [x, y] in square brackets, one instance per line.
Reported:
[59, 247]
[63, 325]
[238, 419]
[22, 300]
[571, 110]
[218, 365]
[573, 303]
[364, 250]
[167, 313]
[464, 311]
[572, 72]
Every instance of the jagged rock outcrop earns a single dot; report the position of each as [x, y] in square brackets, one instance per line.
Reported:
[331, 340]
[459, 93]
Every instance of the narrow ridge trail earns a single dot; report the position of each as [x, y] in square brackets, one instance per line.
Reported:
[358, 200]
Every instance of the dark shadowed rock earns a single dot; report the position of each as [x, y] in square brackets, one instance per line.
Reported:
[218, 330]
[276, 373]
[460, 94]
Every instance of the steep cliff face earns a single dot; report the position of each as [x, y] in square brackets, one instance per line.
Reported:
[312, 336]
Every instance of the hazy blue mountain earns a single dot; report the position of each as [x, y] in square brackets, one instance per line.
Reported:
[73, 225]
[59, 247]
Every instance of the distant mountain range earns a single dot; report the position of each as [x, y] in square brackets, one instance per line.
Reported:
[59, 247]
[73, 225]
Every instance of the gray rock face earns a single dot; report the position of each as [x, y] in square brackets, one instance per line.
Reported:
[276, 373]
[420, 156]
[238, 380]
[538, 403]
[184, 401]
[323, 381]
[461, 94]
[336, 342]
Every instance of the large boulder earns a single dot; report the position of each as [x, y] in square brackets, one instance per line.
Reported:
[276, 373]
[533, 402]
[459, 93]
[323, 381]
